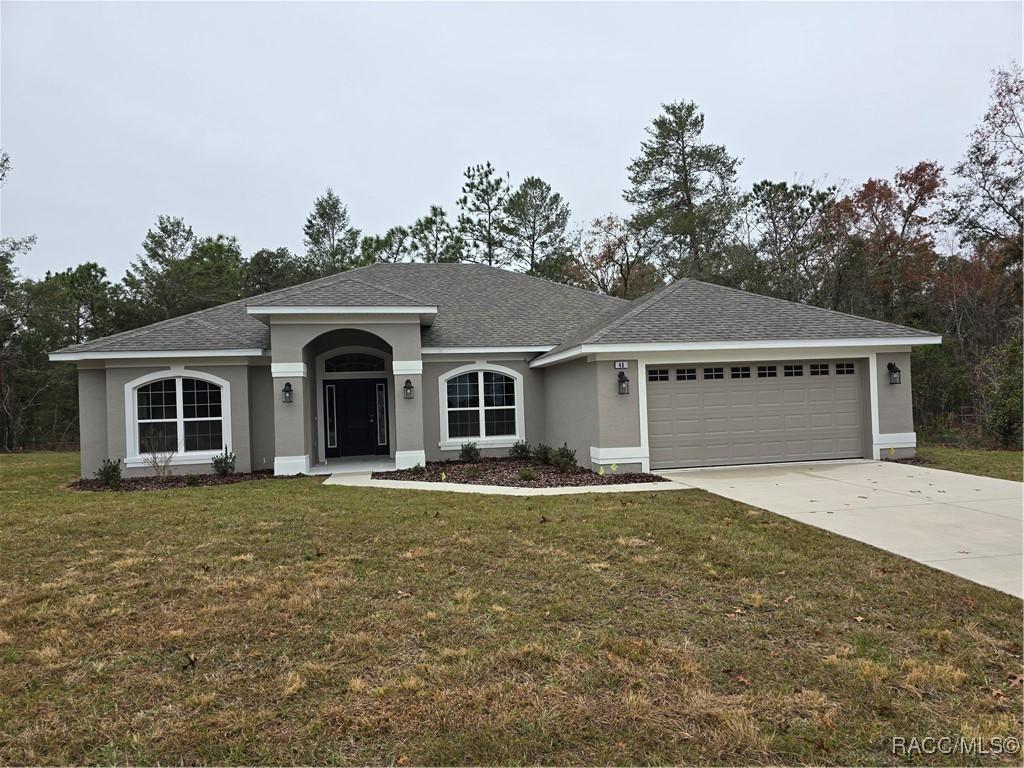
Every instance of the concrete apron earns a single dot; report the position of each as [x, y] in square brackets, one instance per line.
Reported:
[966, 525]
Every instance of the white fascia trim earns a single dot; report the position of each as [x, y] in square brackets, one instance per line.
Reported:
[291, 465]
[408, 459]
[407, 367]
[627, 349]
[67, 357]
[365, 310]
[177, 460]
[630, 455]
[483, 350]
[282, 370]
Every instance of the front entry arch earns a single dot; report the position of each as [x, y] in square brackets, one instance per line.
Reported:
[354, 408]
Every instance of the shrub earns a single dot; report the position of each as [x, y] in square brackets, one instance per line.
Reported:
[191, 480]
[527, 474]
[110, 473]
[224, 463]
[565, 459]
[520, 450]
[469, 453]
[419, 469]
[1003, 395]
[543, 454]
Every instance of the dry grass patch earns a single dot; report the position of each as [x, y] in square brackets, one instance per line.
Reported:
[292, 623]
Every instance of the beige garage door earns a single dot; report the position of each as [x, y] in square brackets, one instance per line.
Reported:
[745, 413]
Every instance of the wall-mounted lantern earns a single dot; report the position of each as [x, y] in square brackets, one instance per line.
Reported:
[287, 393]
[894, 373]
[407, 389]
[623, 383]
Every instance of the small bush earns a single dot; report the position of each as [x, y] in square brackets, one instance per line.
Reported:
[110, 473]
[543, 454]
[520, 450]
[224, 463]
[564, 459]
[472, 473]
[191, 480]
[419, 469]
[527, 474]
[469, 453]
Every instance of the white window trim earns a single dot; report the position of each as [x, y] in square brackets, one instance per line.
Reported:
[447, 443]
[134, 457]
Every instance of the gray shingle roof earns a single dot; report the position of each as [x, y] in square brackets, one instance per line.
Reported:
[693, 311]
[477, 306]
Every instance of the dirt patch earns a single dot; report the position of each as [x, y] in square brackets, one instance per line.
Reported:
[173, 481]
[512, 472]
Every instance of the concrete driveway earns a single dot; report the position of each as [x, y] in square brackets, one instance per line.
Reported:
[967, 525]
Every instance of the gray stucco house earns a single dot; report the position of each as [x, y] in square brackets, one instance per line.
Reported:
[402, 363]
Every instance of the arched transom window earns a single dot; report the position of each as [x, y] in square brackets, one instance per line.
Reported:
[483, 405]
[179, 414]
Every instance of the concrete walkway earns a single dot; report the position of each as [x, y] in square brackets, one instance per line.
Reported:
[363, 480]
[964, 524]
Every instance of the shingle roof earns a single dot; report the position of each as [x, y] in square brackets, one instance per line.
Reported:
[690, 311]
[478, 306]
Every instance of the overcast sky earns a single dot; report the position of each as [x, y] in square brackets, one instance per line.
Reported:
[235, 116]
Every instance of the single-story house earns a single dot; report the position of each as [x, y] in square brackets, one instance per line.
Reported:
[400, 364]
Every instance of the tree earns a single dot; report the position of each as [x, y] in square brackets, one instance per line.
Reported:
[213, 273]
[685, 191]
[615, 258]
[269, 270]
[391, 247]
[332, 244]
[535, 223]
[989, 201]
[783, 231]
[152, 279]
[482, 216]
[433, 239]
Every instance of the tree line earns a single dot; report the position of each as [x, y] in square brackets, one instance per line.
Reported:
[928, 248]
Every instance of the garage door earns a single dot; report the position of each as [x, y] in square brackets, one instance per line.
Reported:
[745, 413]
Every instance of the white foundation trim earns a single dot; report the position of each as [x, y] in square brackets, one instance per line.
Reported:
[281, 370]
[629, 455]
[701, 346]
[407, 367]
[882, 443]
[170, 354]
[291, 465]
[407, 459]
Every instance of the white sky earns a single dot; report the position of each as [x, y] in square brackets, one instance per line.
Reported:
[236, 115]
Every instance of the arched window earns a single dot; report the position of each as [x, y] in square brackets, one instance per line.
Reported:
[353, 362]
[482, 405]
[184, 414]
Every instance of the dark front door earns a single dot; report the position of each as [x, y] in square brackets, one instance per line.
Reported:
[355, 417]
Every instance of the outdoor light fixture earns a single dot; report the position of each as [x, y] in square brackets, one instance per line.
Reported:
[407, 389]
[286, 392]
[894, 373]
[623, 383]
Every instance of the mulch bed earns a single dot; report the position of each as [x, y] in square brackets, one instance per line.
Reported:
[916, 460]
[172, 481]
[506, 472]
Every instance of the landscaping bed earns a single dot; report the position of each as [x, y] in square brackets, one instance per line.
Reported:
[171, 481]
[520, 473]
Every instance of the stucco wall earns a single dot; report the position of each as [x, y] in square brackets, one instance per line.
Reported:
[92, 418]
[618, 416]
[261, 417]
[895, 407]
[571, 400]
[532, 397]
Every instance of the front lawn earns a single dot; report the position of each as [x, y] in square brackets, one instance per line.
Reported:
[289, 622]
[1008, 465]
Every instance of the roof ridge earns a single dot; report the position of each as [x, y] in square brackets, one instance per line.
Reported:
[545, 280]
[809, 306]
[649, 301]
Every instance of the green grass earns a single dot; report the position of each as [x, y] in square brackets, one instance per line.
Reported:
[365, 626]
[1007, 465]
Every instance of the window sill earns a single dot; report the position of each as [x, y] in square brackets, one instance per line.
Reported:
[177, 460]
[481, 442]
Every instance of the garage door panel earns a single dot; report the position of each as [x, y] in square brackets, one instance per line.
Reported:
[708, 422]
